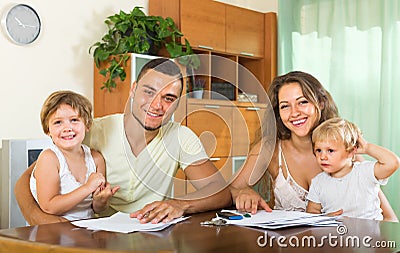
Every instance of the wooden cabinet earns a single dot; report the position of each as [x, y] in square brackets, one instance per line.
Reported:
[216, 26]
[202, 22]
[225, 129]
[105, 102]
[211, 16]
[229, 77]
[244, 31]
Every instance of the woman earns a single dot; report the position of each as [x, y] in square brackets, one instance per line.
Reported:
[300, 103]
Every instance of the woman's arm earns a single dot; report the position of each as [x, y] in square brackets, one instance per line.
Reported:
[387, 210]
[245, 198]
[29, 208]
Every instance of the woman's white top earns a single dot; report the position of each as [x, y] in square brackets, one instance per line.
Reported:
[289, 195]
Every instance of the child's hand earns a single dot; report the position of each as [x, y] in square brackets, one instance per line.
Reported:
[95, 181]
[102, 196]
[361, 145]
[105, 193]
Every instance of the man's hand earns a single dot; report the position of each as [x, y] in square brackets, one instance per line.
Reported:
[249, 200]
[160, 211]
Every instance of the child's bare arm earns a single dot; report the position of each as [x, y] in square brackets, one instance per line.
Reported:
[387, 161]
[313, 207]
[102, 195]
[48, 186]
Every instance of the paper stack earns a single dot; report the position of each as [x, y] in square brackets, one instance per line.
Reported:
[121, 222]
[283, 219]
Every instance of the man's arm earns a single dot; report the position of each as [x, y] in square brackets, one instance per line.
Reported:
[211, 189]
[29, 208]
[211, 193]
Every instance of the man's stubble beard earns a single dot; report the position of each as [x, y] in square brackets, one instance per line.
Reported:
[147, 128]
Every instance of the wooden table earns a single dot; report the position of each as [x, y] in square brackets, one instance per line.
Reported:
[190, 236]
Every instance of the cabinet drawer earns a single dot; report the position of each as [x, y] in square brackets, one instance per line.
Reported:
[213, 124]
[247, 122]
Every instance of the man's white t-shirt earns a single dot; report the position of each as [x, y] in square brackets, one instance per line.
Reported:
[148, 176]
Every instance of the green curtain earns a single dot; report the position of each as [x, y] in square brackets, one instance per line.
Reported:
[353, 48]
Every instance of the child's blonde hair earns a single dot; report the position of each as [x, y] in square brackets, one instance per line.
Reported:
[337, 129]
[65, 97]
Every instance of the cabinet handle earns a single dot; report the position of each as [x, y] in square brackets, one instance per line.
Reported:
[252, 108]
[206, 47]
[212, 106]
[246, 54]
[215, 159]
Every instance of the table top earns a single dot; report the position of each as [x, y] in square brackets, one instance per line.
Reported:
[357, 235]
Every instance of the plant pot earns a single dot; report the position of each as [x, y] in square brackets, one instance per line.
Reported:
[197, 94]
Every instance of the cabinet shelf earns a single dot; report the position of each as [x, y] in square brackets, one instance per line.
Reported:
[225, 76]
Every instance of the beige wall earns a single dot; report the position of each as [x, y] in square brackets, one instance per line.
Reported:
[59, 59]
[257, 5]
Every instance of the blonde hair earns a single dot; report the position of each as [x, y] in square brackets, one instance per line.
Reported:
[337, 129]
[65, 97]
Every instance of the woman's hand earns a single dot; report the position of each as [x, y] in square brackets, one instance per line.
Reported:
[248, 200]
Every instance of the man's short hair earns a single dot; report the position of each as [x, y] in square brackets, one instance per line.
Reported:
[162, 65]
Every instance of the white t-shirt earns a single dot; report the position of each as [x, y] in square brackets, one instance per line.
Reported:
[356, 193]
[149, 176]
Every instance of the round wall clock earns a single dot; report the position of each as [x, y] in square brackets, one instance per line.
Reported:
[22, 24]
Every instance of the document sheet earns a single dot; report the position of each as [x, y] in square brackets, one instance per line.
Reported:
[121, 222]
[283, 219]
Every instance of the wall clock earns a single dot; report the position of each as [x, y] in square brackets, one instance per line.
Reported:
[21, 24]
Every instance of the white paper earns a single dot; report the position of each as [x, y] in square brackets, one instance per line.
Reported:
[121, 222]
[283, 219]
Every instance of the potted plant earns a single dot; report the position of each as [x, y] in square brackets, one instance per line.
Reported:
[198, 88]
[136, 32]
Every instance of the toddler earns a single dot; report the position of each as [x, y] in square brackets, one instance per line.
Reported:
[346, 184]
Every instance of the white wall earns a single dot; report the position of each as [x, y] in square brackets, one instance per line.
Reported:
[59, 59]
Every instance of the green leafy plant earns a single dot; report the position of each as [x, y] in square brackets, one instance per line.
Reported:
[136, 32]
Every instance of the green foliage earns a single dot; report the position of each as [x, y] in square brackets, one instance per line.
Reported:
[136, 32]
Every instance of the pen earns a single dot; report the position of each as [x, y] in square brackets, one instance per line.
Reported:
[244, 214]
[229, 215]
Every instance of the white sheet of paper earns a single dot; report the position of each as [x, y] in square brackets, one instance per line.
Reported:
[121, 222]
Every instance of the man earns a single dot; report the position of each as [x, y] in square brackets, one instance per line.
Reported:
[143, 149]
